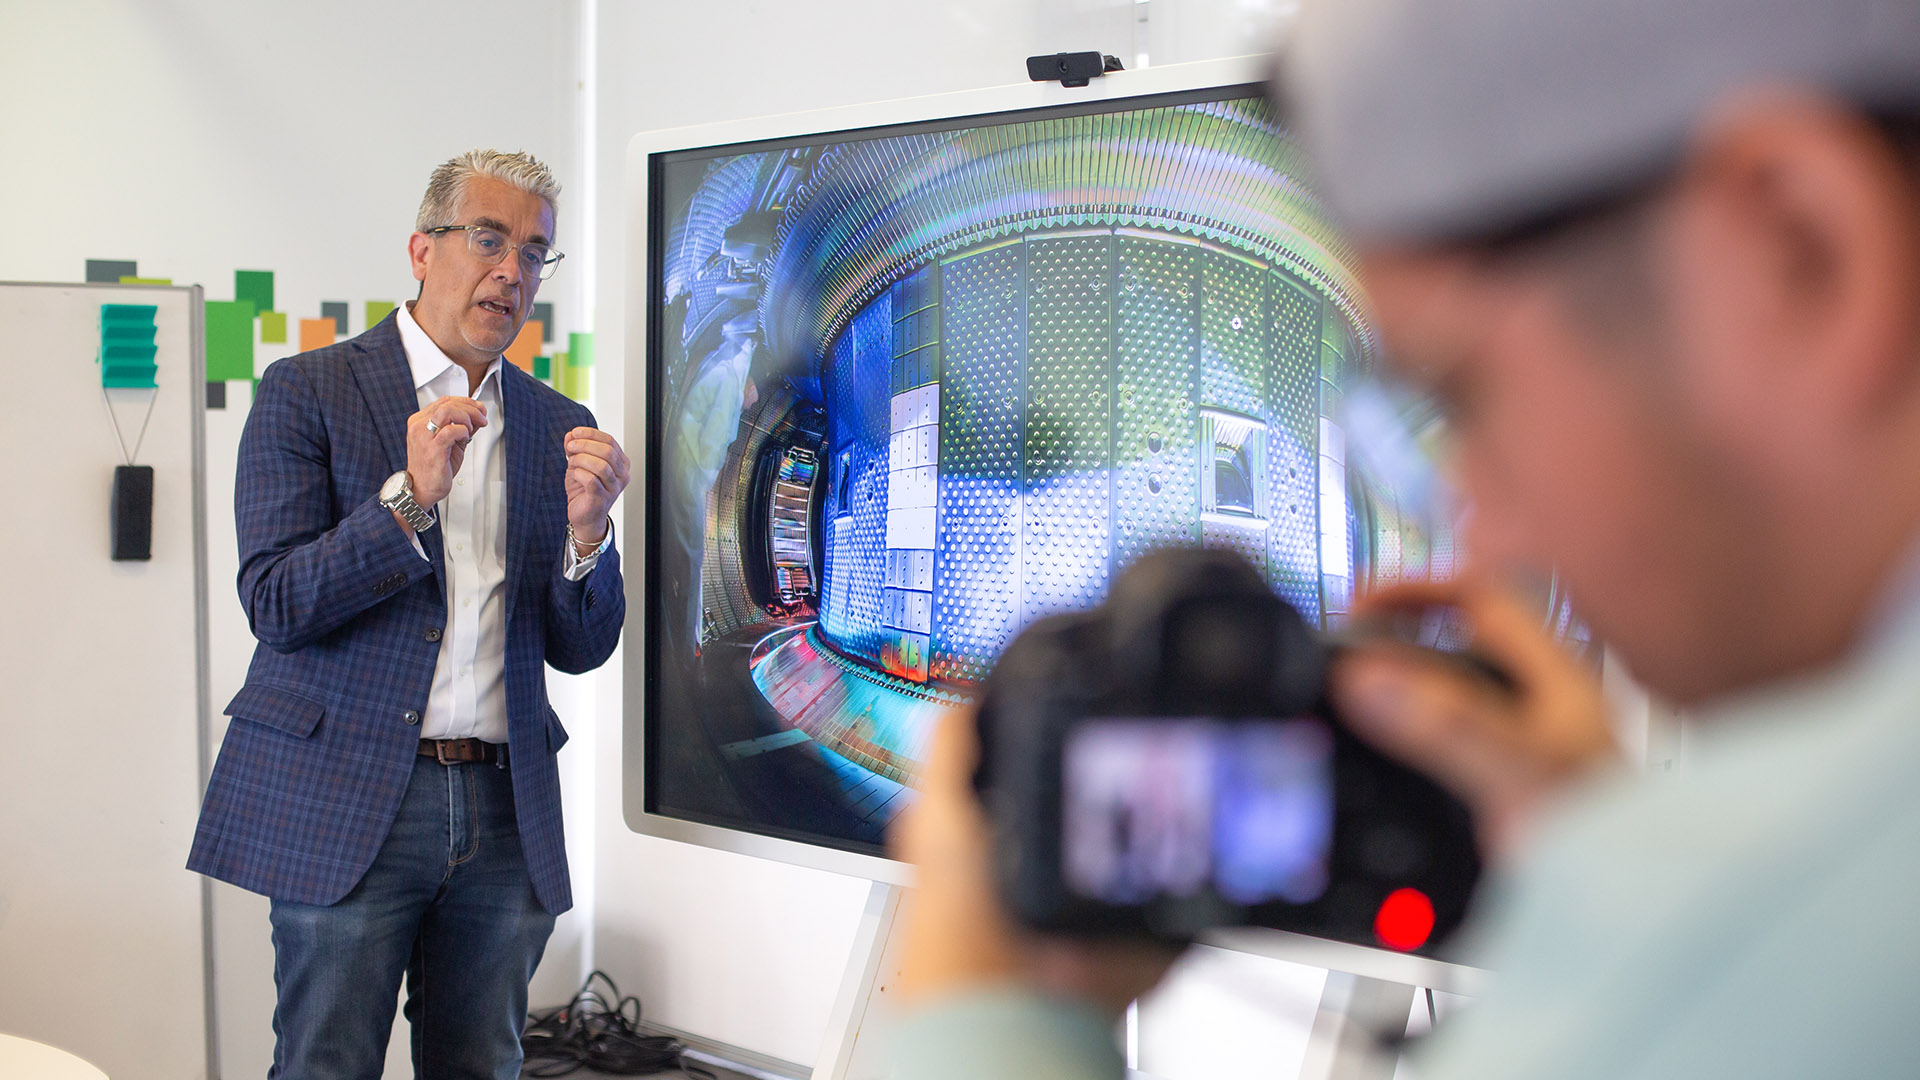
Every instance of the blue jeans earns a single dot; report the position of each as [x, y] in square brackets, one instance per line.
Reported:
[448, 903]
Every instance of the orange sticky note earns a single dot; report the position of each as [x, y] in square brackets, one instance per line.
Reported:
[525, 347]
[315, 334]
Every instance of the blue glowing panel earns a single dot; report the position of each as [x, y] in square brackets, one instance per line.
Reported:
[836, 576]
[982, 435]
[1156, 340]
[858, 417]
[1066, 542]
[1293, 366]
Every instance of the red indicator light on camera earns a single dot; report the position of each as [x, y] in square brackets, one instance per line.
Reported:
[1405, 920]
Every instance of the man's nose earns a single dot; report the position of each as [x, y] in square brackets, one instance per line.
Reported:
[507, 270]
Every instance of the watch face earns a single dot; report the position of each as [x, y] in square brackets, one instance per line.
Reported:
[394, 487]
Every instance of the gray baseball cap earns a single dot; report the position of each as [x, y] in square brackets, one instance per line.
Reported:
[1446, 119]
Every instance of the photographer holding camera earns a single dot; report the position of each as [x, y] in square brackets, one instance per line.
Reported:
[1659, 265]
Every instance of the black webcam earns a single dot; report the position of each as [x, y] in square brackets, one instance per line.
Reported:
[1071, 68]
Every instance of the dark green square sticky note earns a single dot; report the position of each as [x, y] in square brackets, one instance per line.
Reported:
[110, 271]
[543, 367]
[229, 329]
[337, 311]
[255, 286]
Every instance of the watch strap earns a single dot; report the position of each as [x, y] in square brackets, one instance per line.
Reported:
[404, 505]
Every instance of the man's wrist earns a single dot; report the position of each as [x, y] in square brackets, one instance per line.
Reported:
[584, 547]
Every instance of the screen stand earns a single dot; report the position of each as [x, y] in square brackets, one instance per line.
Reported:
[1342, 1043]
[1340, 1046]
[852, 1049]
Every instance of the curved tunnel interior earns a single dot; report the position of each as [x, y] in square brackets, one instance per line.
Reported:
[916, 391]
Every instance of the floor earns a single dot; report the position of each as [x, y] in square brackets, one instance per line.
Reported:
[716, 1073]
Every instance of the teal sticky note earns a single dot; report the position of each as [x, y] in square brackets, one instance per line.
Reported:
[256, 286]
[229, 327]
[127, 345]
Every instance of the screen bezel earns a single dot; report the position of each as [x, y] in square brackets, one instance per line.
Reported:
[646, 152]
[1215, 76]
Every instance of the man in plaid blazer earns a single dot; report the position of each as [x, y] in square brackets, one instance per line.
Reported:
[422, 529]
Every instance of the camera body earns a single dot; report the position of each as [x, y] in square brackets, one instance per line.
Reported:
[1169, 763]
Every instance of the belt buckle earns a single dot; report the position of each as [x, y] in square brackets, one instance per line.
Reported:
[440, 752]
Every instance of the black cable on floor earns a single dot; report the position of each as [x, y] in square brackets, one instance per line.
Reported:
[598, 1030]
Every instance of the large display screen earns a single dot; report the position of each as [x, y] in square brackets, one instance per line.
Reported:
[911, 388]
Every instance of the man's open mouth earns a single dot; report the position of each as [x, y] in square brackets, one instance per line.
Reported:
[496, 307]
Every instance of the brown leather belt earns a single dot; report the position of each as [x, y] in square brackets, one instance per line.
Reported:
[459, 751]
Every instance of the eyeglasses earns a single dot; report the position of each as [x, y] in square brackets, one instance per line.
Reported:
[489, 246]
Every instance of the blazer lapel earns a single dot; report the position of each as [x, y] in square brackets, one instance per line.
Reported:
[386, 381]
[523, 436]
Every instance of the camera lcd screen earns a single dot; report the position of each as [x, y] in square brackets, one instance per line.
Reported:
[1176, 807]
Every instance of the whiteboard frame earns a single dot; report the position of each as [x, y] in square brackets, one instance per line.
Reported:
[202, 677]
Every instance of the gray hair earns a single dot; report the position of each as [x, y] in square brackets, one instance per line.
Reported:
[448, 184]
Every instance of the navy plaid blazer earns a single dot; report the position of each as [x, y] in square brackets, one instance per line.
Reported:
[325, 731]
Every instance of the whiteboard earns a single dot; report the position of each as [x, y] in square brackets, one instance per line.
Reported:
[102, 932]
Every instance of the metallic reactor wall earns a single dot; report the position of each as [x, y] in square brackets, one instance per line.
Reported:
[1072, 376]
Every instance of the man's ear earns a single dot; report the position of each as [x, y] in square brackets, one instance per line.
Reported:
[1808, 217]
[420, 254]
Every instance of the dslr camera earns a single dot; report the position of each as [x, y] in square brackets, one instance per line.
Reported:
[1169, 763]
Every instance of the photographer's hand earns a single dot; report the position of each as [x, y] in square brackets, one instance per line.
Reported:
[1505, 753]
[957, 935]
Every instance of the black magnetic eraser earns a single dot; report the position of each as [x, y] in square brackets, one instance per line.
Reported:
[131, 512]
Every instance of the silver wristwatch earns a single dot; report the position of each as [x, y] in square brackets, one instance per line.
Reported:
[397, 495]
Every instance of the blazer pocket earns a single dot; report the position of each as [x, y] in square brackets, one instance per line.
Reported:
[556, 735]
[277, 709]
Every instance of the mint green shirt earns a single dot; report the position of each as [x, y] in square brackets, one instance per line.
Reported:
[1756, 916]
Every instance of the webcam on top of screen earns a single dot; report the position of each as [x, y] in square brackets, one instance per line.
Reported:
[1071, 69]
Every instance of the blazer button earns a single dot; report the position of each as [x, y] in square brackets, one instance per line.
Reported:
[411, 716]
[433, 633]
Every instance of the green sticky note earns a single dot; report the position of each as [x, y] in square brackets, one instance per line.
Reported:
[580, 349]
[229, 340]
[256, 286]
[377, 310]
[273, 327]
[146, 281]
[542, 368]
[573, 381]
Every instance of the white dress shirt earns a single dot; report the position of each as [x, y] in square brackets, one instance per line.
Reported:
[469, 694]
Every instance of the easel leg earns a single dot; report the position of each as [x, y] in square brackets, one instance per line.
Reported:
[850, 1050]
[1352, 1008]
